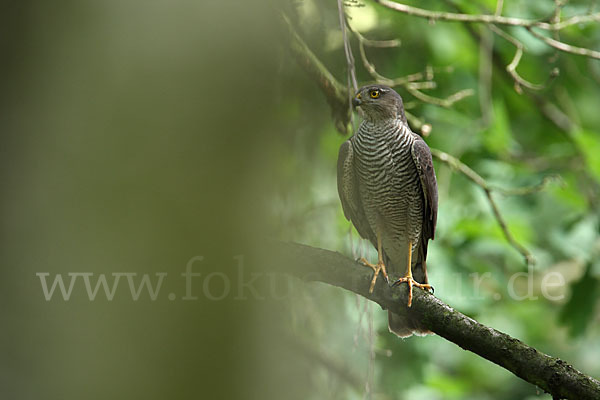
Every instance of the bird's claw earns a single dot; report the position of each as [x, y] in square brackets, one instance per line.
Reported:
[379, 267]
[411, 282]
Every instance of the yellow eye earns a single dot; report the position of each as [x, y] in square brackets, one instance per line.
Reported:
[374, 94]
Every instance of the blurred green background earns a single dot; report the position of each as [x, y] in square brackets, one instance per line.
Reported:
[138, 135]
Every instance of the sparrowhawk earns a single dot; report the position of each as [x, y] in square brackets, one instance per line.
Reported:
[388, 189]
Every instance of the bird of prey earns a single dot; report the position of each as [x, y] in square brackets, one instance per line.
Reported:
[387, 186]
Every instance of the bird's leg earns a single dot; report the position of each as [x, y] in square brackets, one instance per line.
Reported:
[408, 278]
[377, 267]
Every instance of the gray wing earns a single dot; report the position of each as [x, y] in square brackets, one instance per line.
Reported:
[422, 158]
[348, 191]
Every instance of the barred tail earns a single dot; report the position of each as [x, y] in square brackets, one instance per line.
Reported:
[405, 326]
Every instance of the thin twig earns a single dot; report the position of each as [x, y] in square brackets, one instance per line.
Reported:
[486, 47]
[558, 5]
[457, 165]
[553, 26]
[417, 125]
[422, 85]
[578, 19]
[512, 67]
[562, 121]
[410, 82]
[347, 48]
[371, 341]
[567, 48]
[370, 67]
[499, 7]
[447, 102]
[525, 190]
[486, 18]
[352, 83]
[378, 43]
[335, 92]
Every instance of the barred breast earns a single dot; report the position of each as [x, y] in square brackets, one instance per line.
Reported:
[389, 186]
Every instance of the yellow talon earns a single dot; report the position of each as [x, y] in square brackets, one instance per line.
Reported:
[408, 278]
[379, 267]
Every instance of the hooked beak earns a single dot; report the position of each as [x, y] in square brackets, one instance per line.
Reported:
[356, 101]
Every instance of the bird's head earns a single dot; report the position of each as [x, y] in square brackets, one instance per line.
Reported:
[379, 102]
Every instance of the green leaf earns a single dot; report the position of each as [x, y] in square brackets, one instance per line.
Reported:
[590, 145]
[579, 310]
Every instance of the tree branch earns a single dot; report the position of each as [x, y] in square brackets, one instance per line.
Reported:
[512, 67]
[567, 48]
[555, 115]
[447, 102]
[347, 51]
[551, 374]
[409, 82]
[497, 19]
[335, 93]
[486, 18]
[455, 164]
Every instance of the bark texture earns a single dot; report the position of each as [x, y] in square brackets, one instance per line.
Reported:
[553, 375]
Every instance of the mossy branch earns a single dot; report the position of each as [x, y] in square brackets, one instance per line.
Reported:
[551, 374]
